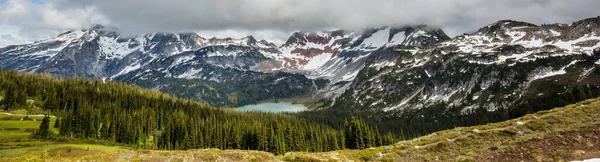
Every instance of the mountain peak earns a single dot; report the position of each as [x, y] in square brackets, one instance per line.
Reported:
[102, 28]
[250, 40]
[407, 35]
[504, 24]
[594, 21]
[424, 29]
[303, 37]
[97, 27]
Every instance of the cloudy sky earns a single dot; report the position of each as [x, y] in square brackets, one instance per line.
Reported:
[23, 21]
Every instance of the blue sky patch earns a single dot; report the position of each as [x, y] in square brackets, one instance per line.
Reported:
[34, 1]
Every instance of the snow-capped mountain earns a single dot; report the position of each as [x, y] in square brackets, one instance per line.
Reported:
[306, 51]
[388, 69]
[359, 46]
[505, 65]
[167, 60]
[100, 52]
[339, 55]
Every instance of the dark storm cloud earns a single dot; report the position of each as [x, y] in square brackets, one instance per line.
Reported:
[142, 16]
[454, 15]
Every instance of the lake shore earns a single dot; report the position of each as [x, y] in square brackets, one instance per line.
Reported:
[274, 107]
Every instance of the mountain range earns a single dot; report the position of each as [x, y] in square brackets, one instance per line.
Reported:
[504, 65]
[390, 69]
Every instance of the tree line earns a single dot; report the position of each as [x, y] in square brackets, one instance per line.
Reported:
[129, 115]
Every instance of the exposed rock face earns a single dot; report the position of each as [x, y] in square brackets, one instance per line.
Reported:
[329, 42]
[501, 66]
[359, 46]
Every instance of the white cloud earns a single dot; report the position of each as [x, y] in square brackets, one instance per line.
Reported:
[289, 15]
[23, 21]
[49, 15]
[9, 35]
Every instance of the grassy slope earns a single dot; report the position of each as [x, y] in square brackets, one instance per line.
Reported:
[570, 132]
[15, 140]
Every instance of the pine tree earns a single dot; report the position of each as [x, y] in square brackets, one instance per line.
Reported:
[44, 131]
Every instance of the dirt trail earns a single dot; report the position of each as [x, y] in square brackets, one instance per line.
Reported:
[474, 131]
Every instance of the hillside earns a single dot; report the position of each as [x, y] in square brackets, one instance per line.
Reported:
[560, 134]
[505, 65]
[117, 114]
[502, 71]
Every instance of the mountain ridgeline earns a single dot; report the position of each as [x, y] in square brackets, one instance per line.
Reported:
[220, 72]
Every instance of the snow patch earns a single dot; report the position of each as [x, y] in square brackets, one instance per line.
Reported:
[189, 74]
[428, 75]
[405, 101]
[382, 64]
[278, 80]
[182, 60]
[318, 61]
[111, 48]
[128, 69]
[225, 53]
[73, 35]
[350, 76]
[585, 73]
[547, 72]
[555, 33]
[377, 39]
[516, 35]
[398, 38]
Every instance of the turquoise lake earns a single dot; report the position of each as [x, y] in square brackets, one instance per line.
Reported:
[274, 107]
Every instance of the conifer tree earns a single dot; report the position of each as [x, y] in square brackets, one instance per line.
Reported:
[44, 130]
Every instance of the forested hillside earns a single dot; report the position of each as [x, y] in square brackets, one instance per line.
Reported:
[561, 134]
[110, 112]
